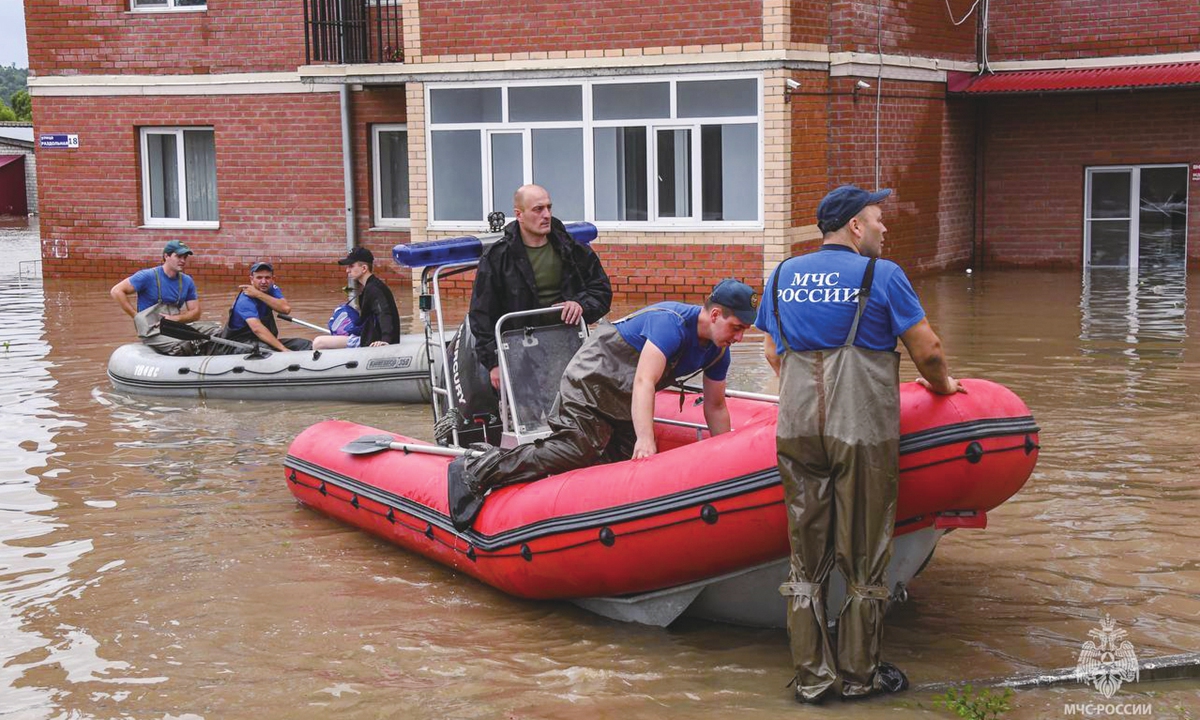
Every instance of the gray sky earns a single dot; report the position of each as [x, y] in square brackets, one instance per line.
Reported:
[12, 33]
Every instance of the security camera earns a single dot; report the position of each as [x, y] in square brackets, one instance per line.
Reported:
[791, 84]
[862, 85]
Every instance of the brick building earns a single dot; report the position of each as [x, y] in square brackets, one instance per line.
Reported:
[698, 136]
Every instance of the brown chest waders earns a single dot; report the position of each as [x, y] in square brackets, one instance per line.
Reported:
[591, 419]
[838, 445]
[146, 324]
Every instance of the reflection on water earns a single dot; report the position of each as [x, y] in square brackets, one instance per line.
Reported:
[153, 564]
[1140, 313]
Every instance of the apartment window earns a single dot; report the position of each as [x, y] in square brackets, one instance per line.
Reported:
[1135, 215]
[179, 177]
[647, 153]
[389, 160]
[169, 4]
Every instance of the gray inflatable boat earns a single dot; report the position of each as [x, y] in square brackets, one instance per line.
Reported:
[388, 374]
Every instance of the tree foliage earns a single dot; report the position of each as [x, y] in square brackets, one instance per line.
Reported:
[13, 82]
[22, 106]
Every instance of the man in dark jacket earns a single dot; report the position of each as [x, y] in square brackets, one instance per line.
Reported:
[378, 317]
[536, 264]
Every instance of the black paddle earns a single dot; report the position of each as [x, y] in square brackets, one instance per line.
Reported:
[183, 331]
[463, 504]
[370, 444]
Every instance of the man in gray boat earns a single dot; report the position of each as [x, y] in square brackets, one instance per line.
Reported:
[167, 292]
[605, 405]
[252, 317]
[536, 264]
[832, 318]
[379, 320]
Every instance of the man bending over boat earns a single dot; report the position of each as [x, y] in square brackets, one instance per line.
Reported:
[832, 318]
[605, 405]
[535, 265]
[252, 316]
[379, 321]
[167, 292]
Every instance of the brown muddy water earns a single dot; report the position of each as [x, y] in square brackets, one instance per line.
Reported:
[153, 563]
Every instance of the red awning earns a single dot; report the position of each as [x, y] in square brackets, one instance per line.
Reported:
[6, 159]
[1127, 77]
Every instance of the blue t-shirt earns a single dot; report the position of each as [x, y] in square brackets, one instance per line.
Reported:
[175, 291]
[671, 326]
[818, 296]
[247, 307]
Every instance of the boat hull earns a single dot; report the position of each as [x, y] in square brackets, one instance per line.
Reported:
[397, 373]
[697, 511]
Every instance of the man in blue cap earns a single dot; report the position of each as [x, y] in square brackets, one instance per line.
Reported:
[252, 317]
[832, 319]
[164, 291]
[605, 405]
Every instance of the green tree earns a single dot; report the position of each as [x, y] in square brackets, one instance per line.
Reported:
[22, 106]
[6, 113]
[12, 79]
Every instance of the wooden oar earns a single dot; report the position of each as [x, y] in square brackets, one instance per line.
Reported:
[182, 331]
[369, 444]
[298, 321]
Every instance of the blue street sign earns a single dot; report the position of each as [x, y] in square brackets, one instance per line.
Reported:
[58, 141]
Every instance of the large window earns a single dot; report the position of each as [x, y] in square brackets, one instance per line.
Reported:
[1135, 215]
[389, 164]
[168, 4]
[637, 153]
[179, 177]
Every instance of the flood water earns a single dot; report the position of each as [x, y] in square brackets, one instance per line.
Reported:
[153, 563]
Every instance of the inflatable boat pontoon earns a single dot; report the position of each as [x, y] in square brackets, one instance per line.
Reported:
[397, 373]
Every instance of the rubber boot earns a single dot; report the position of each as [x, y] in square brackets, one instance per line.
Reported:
[464, 491]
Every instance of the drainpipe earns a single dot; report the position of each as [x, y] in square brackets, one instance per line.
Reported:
[878, 84]
[983, 38]
[347, 165]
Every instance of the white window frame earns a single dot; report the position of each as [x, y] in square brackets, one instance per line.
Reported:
[181, 170]
[170, 7]
[378, 221]
[1135, 185]
[587, 125]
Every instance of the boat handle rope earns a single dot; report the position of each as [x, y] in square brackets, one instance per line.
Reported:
[294, 367]
[706, 515]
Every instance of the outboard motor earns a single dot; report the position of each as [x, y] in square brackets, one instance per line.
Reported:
[478, 404]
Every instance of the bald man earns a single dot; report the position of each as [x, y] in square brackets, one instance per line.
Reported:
[535, 265]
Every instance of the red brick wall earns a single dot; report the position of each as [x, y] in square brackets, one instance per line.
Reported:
[810, 21]
[1036, 150]
[279, 185]
[914, 27]
[69, 37]
[810, 134]
[926, 154]
[371, 107]
[1054, 29]
[650, 273]
[455, 27]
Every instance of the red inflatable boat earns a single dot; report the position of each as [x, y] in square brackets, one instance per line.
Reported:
[700, 509]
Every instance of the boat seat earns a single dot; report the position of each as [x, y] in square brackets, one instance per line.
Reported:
[536, 357]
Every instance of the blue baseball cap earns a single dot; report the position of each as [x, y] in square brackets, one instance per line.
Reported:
[176, 247]
[738, 297]
[843, 203]
[261, 265]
